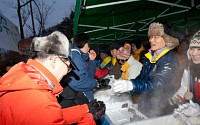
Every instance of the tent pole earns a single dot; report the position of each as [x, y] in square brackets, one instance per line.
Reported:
[76, 16]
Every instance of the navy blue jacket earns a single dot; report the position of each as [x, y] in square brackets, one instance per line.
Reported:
[156, 82]
[86, 82]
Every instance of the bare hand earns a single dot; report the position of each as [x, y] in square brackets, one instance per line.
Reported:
[92, 54]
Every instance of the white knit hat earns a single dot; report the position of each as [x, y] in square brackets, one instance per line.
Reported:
[195, 42]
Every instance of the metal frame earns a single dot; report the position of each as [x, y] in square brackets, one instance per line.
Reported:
[145, 22]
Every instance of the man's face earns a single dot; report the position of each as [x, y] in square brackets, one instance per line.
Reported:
[113, 53]
[87, 47]
[156, 42]
[61, 68]
[195, 54]
[103, 55]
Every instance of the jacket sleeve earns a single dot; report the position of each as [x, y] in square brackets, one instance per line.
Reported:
[92, 68]
[85, 82]
[41, 107]
[184, 85]
[78, 113]
[162, 73]
[100, 73]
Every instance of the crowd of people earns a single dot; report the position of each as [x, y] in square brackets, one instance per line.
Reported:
[56, 85]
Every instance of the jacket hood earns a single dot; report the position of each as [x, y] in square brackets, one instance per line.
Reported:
[24, 76]
[85, 56]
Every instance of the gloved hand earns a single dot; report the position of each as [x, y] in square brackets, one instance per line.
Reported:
[192, 110]
[184, 118]
[187, 110]
[122, 86]
[103, 83]
[173, 101]
[96, 108]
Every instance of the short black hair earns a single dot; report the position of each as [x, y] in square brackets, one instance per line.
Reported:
[114, 45]
[137, 43]
[81, 39]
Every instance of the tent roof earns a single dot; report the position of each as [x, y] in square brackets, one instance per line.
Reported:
[106, 21]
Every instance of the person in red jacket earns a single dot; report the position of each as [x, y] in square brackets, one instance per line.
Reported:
[28, 90]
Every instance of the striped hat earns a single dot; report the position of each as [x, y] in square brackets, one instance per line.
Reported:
[124, 52]
[195, 42]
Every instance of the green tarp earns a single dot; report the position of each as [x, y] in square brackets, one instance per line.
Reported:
[106, 21]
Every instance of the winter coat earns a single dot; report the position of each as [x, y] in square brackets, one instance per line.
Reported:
[69, 97]
[115, 69]
[194, 87]
[28, 97]
[100, 73]
[131, 69]
[86, 82]
[101, 64]
[156, 83]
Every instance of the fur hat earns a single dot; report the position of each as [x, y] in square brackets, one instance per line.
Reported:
[157, 29]
[195, 42]
[124, 52]
[56, 44]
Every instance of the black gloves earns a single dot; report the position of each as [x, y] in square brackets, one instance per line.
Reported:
[103, 84]
[96, 108]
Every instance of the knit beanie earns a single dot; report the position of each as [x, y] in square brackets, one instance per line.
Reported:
[102, 50]
[157, 29]
[124, 52]
[195, 42]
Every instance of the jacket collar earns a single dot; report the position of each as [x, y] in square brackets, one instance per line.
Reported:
[58, 88]
[84, 56]
[149, 55]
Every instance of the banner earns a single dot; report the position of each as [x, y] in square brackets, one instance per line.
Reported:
[9, 34]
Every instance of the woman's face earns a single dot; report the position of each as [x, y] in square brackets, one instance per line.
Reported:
[103, 55]
[133, 47]
[195, 54]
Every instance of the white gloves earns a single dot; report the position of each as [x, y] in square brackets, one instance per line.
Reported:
[188, 109]
[121, 86]
[191, 110]
[174, 101]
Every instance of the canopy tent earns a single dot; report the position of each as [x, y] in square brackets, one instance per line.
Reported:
[106, 21]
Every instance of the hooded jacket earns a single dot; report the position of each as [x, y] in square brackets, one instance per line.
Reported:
[86, 82]
[156, 82]
[28, 96]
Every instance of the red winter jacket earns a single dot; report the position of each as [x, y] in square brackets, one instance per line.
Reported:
[27, 99]
[100, 73]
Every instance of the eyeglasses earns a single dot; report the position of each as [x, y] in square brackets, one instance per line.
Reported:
[122, 60]
[64, 60]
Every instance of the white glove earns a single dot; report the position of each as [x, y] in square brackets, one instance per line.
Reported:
[121, 86]
[179, 115]
[193, 110]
